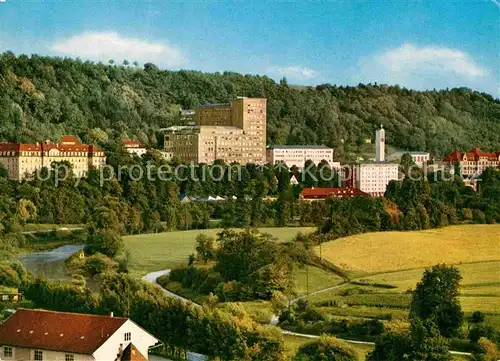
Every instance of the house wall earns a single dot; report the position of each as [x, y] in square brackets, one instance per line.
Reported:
[140, 338]
[374, 178]
[25, 354]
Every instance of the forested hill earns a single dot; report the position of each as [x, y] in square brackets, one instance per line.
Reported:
[43, 97]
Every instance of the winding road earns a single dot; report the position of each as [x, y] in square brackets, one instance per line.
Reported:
[153, 276]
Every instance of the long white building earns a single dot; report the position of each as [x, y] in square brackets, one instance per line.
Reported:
[297, 155]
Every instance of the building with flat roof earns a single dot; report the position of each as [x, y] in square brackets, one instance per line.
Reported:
[420, 158]
[373, 178]
[297, 155]
[233, 132]
[23, 160]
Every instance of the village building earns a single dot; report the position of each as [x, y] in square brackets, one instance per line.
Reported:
[60, 336]
[134, 147]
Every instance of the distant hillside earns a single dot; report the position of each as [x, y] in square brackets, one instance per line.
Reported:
[43, 97]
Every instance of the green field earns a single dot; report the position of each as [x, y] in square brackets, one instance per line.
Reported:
[292, 344]
[390, 251]
[158, 251]
[399, 259]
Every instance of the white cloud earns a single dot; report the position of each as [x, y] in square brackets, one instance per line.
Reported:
[409, 57]
[103, 46]
[425, 67]
[294, 72]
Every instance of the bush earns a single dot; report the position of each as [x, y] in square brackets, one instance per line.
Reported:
[9, 276]
[229, 291]
[326, 348]
[391, 347]
[481, 330]
[99, 263]
[486, 351]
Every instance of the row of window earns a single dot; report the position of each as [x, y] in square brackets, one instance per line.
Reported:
[37, 354]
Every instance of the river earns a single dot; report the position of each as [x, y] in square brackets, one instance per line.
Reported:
[51, 263]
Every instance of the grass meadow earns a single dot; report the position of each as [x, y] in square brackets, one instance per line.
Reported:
[158, 251]
[399, 259]
[390, 251]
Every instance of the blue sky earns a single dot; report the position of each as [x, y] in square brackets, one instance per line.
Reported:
[417, 44]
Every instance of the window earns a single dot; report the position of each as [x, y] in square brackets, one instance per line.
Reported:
[38, 355]
[69, 357]
[7, 351]
[128, 336]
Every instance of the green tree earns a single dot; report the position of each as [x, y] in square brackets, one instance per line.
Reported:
[107, 242]
[436, 299]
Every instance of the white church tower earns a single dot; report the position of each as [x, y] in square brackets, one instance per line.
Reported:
[380, 144]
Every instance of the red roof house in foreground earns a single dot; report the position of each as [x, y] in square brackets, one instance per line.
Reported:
[47, 335]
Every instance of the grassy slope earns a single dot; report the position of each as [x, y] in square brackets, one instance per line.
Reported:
[153, 252]
[292, 344]
[390, 251]
[400, 258]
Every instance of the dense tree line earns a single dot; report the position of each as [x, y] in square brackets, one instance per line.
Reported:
[44, 97]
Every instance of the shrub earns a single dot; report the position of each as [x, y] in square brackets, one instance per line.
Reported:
[9, 276]
[99, 263]
[229, 291]
[326, 348]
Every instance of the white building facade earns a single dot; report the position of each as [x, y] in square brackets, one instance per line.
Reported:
[297, 155]
[420, 158]
[373, 178]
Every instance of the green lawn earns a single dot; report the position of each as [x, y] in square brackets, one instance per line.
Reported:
[157, 251]
[313, 279]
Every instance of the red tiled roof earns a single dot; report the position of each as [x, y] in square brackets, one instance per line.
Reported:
[312, 193]
[69, 143]
[130, 143]
[58, 331]
[70, 139]
[473, 155]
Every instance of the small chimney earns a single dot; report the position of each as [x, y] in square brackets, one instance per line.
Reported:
[111, 314]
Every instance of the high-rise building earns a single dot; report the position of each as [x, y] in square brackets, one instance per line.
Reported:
[380, 144]
[297, 155]
[22, 160]
[373, 178]
[233, 132]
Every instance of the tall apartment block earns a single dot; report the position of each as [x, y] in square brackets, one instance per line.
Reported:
[22, 160]
[233, 132]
